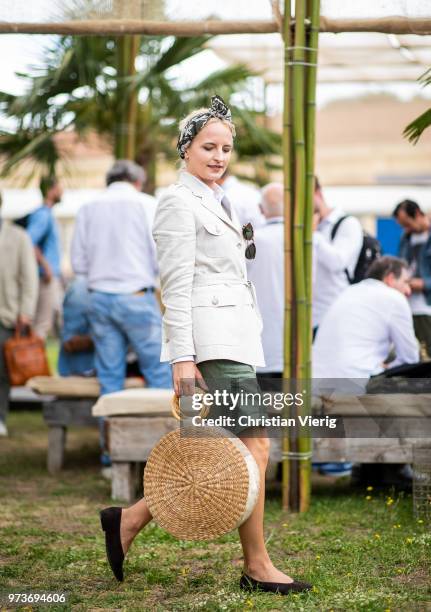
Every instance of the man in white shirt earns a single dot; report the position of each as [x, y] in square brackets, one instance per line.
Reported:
[266, 272]
[415, 248]
[244, 198]
[365, 321]
[335, 256]
[114, 249]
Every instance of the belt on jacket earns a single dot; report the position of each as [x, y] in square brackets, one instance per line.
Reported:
[209, 280]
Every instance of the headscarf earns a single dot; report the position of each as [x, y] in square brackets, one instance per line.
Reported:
[218, 109]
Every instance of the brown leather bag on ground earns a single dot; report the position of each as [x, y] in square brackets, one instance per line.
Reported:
[25, 356]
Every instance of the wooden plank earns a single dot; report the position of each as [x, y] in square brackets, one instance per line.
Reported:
[69, 412]
[133, 438]
[123, 484]
[360, 450]
[56, 445]
[394, 404]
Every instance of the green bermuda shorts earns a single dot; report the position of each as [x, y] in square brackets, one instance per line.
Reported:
[241, 402]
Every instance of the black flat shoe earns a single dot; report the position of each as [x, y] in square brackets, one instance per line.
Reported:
[111, 519]
[247, 583]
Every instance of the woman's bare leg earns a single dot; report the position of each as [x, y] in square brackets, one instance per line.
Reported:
[257, 563]
[133, 519]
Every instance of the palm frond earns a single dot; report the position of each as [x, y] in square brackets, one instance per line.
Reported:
[415, 129]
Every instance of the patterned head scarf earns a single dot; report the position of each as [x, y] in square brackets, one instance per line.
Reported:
[218, 109]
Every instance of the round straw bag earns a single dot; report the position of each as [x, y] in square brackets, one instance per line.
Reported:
[200, 482]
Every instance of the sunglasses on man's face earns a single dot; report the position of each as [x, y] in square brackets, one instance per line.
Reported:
[248, 234]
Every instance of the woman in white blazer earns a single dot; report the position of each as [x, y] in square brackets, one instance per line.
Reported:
[211, 324]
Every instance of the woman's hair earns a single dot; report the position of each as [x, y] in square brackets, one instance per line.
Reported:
[182, 124]
[200, 111]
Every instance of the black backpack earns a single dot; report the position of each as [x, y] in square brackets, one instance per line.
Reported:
[370, 251]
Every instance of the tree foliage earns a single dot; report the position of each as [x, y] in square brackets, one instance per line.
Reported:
[415, 129]
[80, 86]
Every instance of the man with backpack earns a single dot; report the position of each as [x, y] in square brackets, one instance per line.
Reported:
[44, 233]
[343, 252]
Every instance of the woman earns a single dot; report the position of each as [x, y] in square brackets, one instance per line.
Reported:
[211, 325]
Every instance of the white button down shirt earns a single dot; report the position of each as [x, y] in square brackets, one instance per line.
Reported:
[333, 258]
[245, 199]
[112, 244]
[358, 330]
[266, 272]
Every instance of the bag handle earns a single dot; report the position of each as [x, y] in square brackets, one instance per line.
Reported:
[24, 330]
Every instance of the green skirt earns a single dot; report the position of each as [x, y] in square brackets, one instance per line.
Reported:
[239, 396]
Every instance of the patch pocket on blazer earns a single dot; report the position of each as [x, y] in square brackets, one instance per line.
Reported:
[215, 243]
[217, 316]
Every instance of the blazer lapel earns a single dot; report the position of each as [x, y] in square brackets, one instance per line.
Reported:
[209, 202]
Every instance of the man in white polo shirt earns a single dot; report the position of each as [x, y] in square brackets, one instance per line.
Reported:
[266, 272]
[364, 322]
[335, 256]
[354, 339]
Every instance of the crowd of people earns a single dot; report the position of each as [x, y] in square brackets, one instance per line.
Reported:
[109, 313]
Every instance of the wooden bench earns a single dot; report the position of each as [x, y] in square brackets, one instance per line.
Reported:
[67, 401]
[139, 418]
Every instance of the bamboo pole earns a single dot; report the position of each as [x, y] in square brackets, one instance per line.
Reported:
[385, 25]
[105, 27]
[288, 289]
[304, 442]
[298, 60]
[117, 27]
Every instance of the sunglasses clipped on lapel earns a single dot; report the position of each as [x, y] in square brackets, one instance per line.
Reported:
[248, 234]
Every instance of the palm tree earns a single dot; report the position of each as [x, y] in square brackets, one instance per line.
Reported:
[91, 84]
[415, 129]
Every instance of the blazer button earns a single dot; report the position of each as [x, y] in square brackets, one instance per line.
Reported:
[239, 245]
[215, 301]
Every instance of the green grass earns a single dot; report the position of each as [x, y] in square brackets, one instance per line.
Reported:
[361, 554]
[52, 351]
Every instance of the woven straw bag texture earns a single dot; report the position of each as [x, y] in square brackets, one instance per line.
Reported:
[200, 483]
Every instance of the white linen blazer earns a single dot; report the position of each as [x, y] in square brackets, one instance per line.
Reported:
[210, 307]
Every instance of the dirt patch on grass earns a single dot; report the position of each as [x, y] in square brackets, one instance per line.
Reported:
[418, 578]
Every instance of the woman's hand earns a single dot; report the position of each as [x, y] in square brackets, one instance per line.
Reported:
[184, 374]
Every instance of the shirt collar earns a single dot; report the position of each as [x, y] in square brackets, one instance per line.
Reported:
[122, 186]
[332, 218]
[272, 220]
[216, 193]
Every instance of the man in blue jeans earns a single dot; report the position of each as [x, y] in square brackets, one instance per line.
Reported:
[113, 248]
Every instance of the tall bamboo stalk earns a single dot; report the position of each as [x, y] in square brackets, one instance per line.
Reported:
[288, 289]
[304, 442]
[125, 136]
[298, 59]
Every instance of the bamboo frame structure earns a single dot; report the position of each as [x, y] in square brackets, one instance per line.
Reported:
[105, 27]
